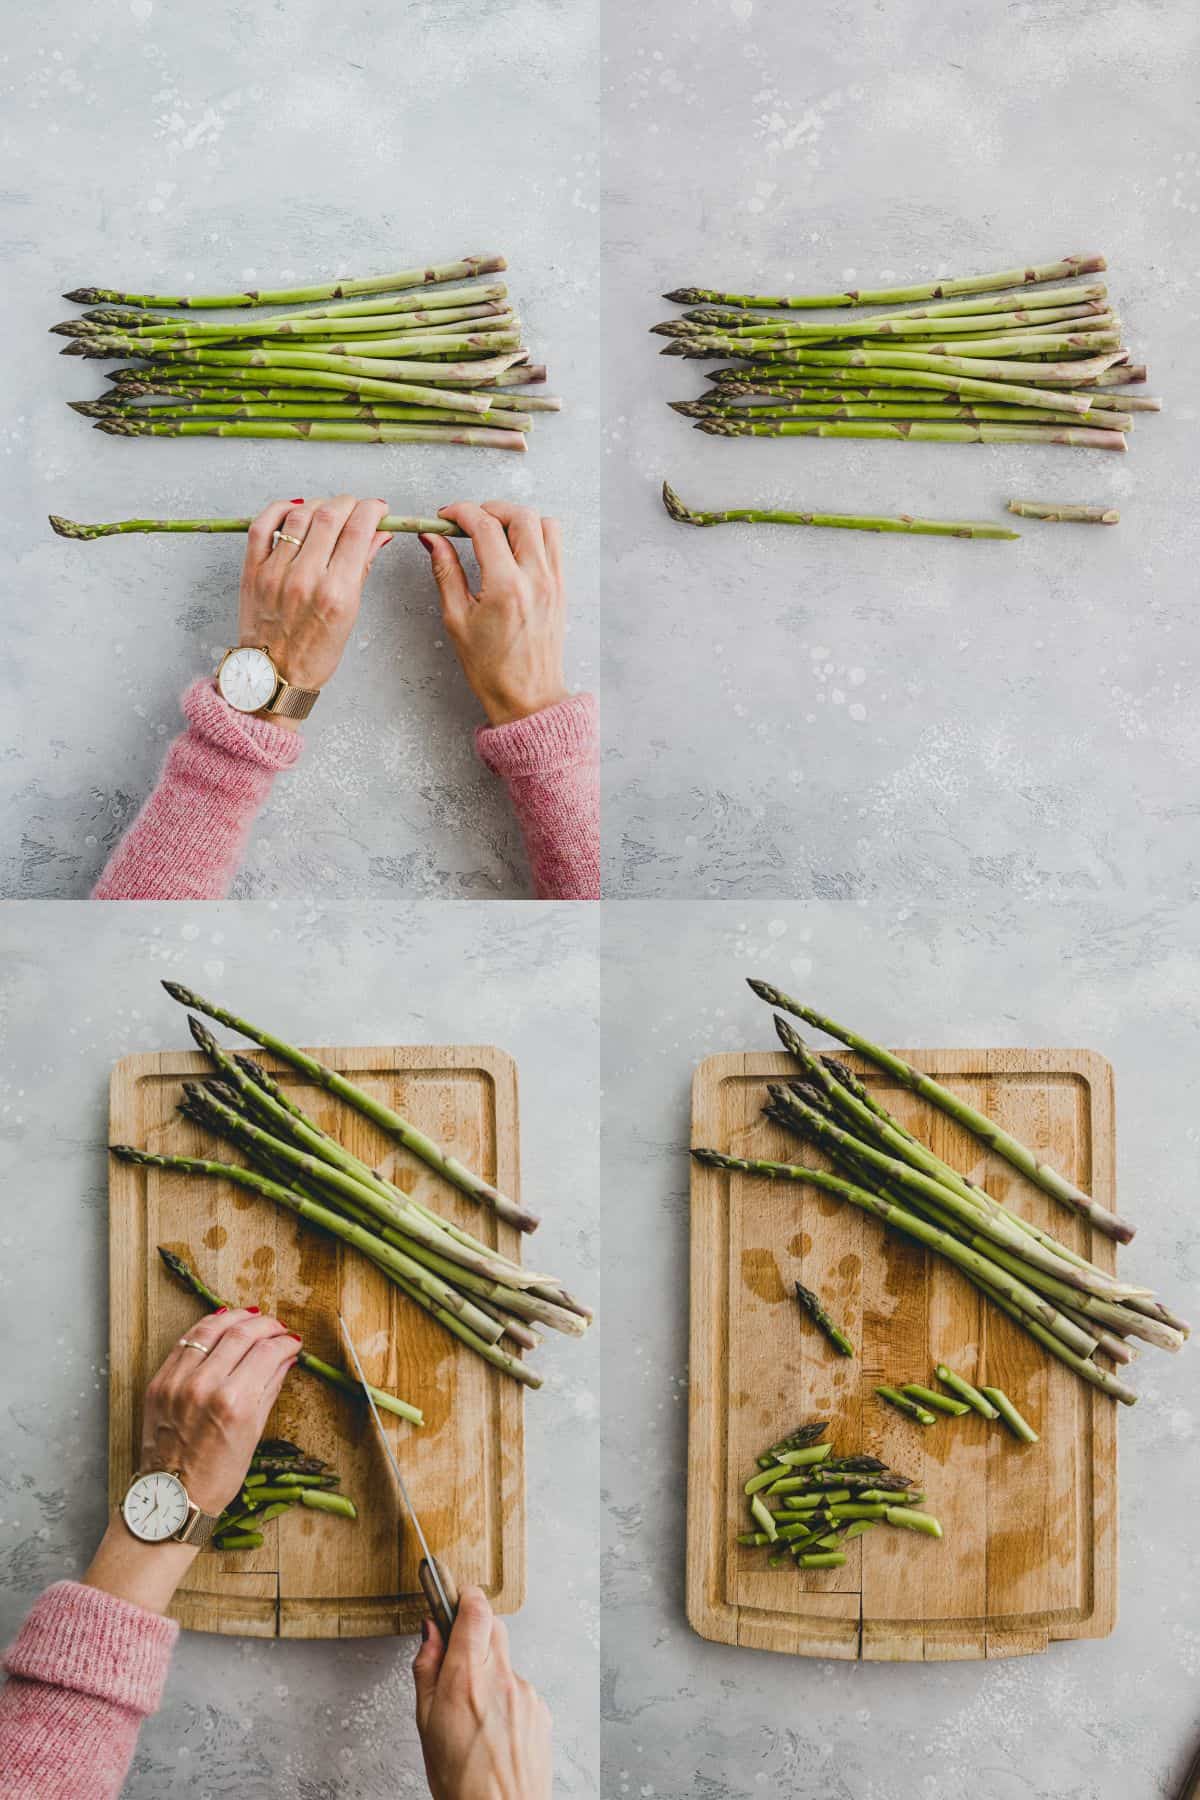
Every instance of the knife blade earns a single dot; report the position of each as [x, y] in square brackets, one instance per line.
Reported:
[437, 1584]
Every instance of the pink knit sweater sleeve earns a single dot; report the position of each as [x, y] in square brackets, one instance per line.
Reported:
[84, 1673]
[550, 763]
[188, 839]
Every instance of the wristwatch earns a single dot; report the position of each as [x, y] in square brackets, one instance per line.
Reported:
[157, 1510]
[249, 681]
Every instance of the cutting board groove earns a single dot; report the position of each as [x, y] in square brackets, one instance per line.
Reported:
[317, 1576]
[1030, 1547]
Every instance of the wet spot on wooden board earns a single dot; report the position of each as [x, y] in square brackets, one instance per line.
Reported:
[800, 1245]
[215, 1237]
[760, 1273]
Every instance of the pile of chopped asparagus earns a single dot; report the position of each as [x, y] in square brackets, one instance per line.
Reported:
[487, 1300]
[405, 358]
[923, 1404]
[809, 1504]
[1017, 368]
[280, 1476]
[1078, 1312]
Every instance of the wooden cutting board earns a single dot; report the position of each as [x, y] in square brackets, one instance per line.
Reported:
[315, 1575]
[1029, 1553]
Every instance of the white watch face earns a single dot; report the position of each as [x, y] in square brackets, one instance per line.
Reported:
[247, 679]
[156, 1506]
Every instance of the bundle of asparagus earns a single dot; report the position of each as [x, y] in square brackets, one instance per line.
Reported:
[821, 1501]
[1012, 369]
[280, 1476]
[480, 1295]
[1078, 1312]
[413, 360]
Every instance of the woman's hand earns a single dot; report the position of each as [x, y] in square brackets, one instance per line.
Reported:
[300, 601]
[484, 1731]
[509, 635]
[203, 1416]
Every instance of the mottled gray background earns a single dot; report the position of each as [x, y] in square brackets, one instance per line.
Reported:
[154, 145]
[795, 712]
[78, 990]
[684, 1719]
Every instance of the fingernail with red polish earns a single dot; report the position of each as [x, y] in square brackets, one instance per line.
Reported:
[299, 502]
[219, 1311]
[252, 1309]
[297, 1336]
[425, 539]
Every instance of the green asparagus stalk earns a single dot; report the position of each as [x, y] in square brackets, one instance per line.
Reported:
[1017, 1425]
[958, 1384]
[913, 1521]
[1082, 438]
[810, 1304]
[908, 1407]
[410, 345]
[176, 412]
[684, 515]
[1059, 514]
[282, 325]
[1066, 270]
[334, 1377]
[389, 1121]
[318, 1501]
[994, 368]
[238, 1540]
[317, 360]
[367, 386]
[926, 1397]
[466, 270]
[481, 437]
[1034, 390]
[977, 1123]
[920, 324]
[71, 528]
[822, 1559]
[761, 412]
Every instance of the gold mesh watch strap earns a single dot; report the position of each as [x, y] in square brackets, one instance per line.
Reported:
[292, 702]
[199, 1529]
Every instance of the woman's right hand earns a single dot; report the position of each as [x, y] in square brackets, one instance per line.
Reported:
[485, 1732]
[204, 1414]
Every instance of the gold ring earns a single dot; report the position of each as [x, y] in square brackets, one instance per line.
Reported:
[287, 538]
[191, 1344]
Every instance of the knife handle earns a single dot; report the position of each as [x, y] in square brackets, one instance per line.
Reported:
[443, 1621]
[1191, 1783]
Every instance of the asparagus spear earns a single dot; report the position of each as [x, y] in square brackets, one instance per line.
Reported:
[480, 438]
[912, 1390]
[1032, 390]
[1012, 1418]
[905, 1405]
[1059, 514]
[810, 1304]
[684, 515]
[980, 1126]
[760, 412]
[70, 528]
[958, 1384]
[921, 324]
[129, 324]
[1066, 270]
[465, 270]
[188, 1278]
[389, 1121]
[1080, 438]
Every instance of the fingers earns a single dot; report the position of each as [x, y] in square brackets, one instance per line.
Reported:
[296, 523]
[552, 537]
[259, 538]
[471, 1638]
[352, 552]
[498, 1652]
[488, 536]
[448, 573]
[234, 1345]
[378, 543]
[325, 526]
[182, 1360]
[427, 1666]
[524, 529]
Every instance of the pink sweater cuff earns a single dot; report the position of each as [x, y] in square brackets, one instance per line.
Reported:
[239, 735]
[80, 1638]
[559, 737]
[550, 763]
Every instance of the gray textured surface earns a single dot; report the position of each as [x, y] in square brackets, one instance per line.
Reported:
[797, 712]
[154, 145]
[78, 990]
[684, 1719]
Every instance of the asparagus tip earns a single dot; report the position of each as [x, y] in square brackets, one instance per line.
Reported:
[68, 528]
[683, 296]
[121, 427]
[84, 296]
[178, 992]
[200, 1032]
[683, 515]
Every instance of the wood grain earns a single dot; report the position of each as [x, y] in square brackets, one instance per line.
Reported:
[317, 1576]
[1030, 1547]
